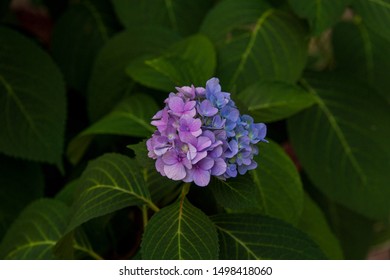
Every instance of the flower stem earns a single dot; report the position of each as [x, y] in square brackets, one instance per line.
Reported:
[153, 206]
[185, 190]
[145, 218]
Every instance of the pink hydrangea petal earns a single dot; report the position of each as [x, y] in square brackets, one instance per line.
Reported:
[199, 156]
[176, 104]
[219, 167]
[203, 143]
[160, 166]
[175, 172]
[201, 177]
[189, 105]
[170, 158]
[206, 163]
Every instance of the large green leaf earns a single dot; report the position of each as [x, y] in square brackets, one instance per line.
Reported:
[361, 52]
[342, 143]
[190, 61]
[376, 14]
[272, 101]
[159, 186]
[109, 183]
[248, 236]
[131, 117]
[314, 223]
[109, 82]
[77, 37]
[255, 41]
[35, 232]
[32, 101]
[20, 183]
[320, 14]
[274, 188]
[173, 14]
[180, 231]
[235, 193]
[280, 192]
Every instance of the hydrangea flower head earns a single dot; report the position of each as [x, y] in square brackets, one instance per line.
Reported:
[201, 133]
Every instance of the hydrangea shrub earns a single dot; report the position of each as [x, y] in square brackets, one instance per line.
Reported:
[251, 129]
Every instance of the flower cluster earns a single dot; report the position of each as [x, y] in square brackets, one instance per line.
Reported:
[200, 133]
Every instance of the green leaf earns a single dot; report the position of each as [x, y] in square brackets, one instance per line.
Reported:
[320, 14]
[109, 183]
[75, 245]
[274, 188]
[190, 61]
[32, 101]
[130, 118]
[158, 185]
[173, 14]
[351, 125]
[255, 41]
[68, 193]
[376, 14]
[280, 192]
[77, 37]
[354, 231]
[362, 53]
[235, 193]
[109, 82]
[35, 232]
[314, 223]
[180, 232]
[246, 236]
[272, 101]
[17, 191]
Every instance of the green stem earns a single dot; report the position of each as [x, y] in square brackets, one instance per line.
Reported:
[153, 206]
[145, 218]
[185, 190]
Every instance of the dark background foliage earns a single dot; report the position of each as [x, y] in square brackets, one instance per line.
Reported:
[80, 81]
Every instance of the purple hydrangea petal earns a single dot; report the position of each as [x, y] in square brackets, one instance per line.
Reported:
[219, 167]
[200, 176]
[231, 170]
[175, 172]
[207, 109]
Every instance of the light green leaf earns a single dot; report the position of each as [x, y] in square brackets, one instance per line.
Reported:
[130, 118]
[32, 101]
[173, 14]
[246, 236]
[180, 232]
[321, 14]
[35, 232]
[376, 14]
[17, 191]
[190, 61]
[255, 42]
[77, 37]
[280, 192]
[273, 101]
[314, 223]
[362, 53]
[109, 82]
[351, 125]
[109, 183]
